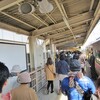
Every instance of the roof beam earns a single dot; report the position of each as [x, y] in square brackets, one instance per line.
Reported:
[91, 5]
[76, 30]
[18, 20]
[48, 15]
[12, 28]
[65, 17]
[94, 21]
[48, 29]
[69, 37]
[40, 19]
[8, 3]
[75, 33]
[67, 47]
[77, 20]
[80, 42]
[62, 43]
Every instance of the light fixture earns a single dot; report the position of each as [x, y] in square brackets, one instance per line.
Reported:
[26, 8]
[43, 5]
[78, 36]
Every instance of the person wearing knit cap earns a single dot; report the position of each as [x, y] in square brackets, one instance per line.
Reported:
[23, 92]
[76, 84]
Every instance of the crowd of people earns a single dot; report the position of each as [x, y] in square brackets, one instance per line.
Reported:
[73, 79]
[70, 70]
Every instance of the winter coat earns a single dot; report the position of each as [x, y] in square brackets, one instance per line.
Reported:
[49, 70]
[62, 67]
[85, 83]
[23, 92]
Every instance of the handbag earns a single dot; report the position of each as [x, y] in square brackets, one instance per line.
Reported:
[54, 75]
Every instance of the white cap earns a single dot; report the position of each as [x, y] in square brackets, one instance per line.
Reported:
[16, 69]
[24, 77]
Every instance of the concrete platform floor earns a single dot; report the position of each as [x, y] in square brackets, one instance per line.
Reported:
[51, 96]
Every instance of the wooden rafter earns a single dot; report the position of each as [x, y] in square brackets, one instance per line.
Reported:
[77, 20]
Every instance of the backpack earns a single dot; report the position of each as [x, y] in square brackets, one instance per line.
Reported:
[86, 95]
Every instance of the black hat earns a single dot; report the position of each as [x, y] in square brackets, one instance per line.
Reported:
[75, 65]
[62, 57]
[76, 56]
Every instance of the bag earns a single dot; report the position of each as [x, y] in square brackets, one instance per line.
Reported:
[54, 75]
[87, 95]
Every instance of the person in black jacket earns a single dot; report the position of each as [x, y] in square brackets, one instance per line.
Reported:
[92, 64]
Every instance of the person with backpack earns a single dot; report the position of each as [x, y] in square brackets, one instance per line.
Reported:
[77, 86]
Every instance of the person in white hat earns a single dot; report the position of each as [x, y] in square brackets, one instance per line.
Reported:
[12, 82]
[23, 92]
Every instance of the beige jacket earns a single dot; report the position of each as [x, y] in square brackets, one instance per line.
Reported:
[49, 70]
[23, 92]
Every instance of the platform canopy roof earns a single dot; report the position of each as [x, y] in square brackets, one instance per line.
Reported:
[67, 25]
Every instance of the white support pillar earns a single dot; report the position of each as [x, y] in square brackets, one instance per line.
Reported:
[31, 49]
[37, 53]
[44, 53]
[52, 48]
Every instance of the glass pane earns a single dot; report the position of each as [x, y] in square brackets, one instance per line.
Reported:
[7, 35]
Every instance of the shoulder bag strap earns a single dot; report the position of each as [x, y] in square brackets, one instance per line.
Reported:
[79, 89]
[50, 70]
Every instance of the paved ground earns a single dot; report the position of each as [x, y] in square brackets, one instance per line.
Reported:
[51, 96]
